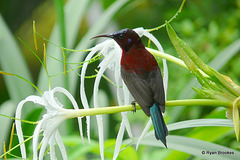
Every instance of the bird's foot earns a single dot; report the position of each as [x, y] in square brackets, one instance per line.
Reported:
[134, 106]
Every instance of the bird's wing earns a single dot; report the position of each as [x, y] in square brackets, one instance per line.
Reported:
[156, 82]
[140, 89]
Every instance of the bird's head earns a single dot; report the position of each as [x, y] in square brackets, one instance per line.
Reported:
[126, 38]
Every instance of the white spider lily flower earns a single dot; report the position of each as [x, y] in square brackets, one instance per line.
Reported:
[112, 55]
[49, 124]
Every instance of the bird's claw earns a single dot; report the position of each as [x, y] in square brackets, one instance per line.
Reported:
[134, 106]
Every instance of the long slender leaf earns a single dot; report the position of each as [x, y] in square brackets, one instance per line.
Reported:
[7, 108]
[12, 61]
[200, 123]
[74, 11]
[190, 145]
[198, 148]
[59, 5]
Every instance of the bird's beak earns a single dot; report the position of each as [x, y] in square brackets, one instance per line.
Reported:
[103, 35]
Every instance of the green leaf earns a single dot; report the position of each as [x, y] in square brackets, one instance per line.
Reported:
[200, 123]
[194, 64]
[196, 60]
[7, 108]
[235, 116]
[59, 5]
[195, 147]
[178, 46]
[12, 61]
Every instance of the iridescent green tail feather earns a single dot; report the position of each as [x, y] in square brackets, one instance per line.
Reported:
[159, 125]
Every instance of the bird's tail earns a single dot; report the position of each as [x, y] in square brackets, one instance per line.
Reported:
[159, 125]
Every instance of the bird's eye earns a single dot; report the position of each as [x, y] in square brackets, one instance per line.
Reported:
[120, 36]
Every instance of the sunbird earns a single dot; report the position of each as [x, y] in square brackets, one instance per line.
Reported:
[142, 76]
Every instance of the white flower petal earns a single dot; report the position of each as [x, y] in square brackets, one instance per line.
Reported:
[35, 139]
[48, 135]
[74, 103]
[82, 88]
[119, 140]
[95, 103]
[19, 128]
[144, 132]
[165, 77]
[127, 101]
[51, 120]
[52, 152]
[61, 145]
[35, 99]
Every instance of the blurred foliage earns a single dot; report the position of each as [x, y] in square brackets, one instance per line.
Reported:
[208, 27]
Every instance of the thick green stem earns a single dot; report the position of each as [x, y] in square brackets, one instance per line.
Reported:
[167, 57]
[71, 113]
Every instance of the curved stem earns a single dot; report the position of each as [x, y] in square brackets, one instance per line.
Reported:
[170, 20]
[167, 57]
[71, 113]
[199, 102]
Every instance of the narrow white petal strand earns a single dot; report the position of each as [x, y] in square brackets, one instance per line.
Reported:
[43, 148]
[75, 106]
[34, 99]
[36, 136]
[123, 98]
[119, 141]
[97, 80]
[82, 88]
[35, 139]
[83, 72]
[165, 77]
[19, 128]
[127, 124]
[52, 152]
[95, 103]
[118, 80]
[147, 127]
[126, 94]
[124, 115]
[61, 145]
[119, 93]
[88, 128]
[81, 129]
[100, 135]
[48, 134]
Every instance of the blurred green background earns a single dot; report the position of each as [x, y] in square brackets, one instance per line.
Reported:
[208, 27]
